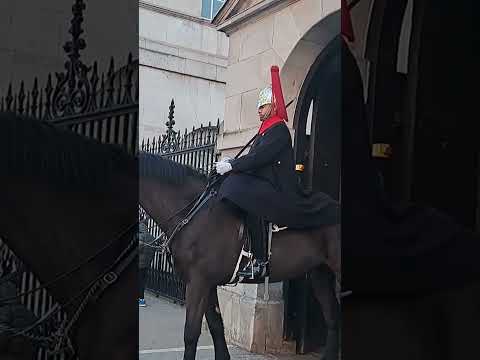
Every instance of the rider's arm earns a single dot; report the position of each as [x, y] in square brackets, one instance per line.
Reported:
[274, 141]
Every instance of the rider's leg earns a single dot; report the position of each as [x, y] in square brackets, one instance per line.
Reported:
[256, 226]
[258, 239]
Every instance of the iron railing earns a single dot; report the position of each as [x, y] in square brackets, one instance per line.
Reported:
[197, 149]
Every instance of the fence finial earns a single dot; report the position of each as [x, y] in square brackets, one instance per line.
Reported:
[72, 90]
[9, 97]
[35, 94]
[21, 98]
[169, 141]
[73, 46]
[171, 114]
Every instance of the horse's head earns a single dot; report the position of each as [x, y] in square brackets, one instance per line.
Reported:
[167, 186]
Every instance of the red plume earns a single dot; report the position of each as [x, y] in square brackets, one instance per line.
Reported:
[278, 101]
[346, 22]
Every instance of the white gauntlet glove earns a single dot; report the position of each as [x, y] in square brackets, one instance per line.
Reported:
[222, 167]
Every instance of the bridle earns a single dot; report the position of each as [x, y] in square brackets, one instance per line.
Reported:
[193, 208]
[59, 341]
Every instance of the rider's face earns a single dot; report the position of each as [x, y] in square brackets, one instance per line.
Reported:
[264, 111]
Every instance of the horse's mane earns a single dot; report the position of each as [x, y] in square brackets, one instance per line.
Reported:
[167, 170]
[37, 149]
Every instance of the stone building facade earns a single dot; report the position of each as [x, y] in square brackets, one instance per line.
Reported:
[182, 57]
[291, 34]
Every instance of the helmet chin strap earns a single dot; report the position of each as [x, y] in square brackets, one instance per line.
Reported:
[268, 115]
[270, 112]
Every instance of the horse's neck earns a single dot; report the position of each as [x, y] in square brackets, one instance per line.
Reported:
[164, 202]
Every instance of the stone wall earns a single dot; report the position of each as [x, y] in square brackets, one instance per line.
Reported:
[189, 7]
[254, 47]
[184, 58]
[291, 38]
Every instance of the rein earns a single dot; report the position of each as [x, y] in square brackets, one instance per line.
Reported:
[70, 272]
[195, 205]
[60, 339]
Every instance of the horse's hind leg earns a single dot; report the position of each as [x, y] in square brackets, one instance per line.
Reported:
[323, 284]
[215, 325]
[197, 296]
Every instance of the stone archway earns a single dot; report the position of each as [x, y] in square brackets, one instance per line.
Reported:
[315, 83]
[303, 56]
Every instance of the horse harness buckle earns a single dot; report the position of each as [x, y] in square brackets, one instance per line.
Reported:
[110, 277]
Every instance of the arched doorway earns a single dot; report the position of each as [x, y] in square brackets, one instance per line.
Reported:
[422, 112]
[445, 143]
[317, 123]
[317, 150]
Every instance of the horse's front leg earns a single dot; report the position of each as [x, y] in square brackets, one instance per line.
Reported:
[215, 325]
[196, 303]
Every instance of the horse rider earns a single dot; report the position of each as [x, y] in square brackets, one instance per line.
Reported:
[264, 183]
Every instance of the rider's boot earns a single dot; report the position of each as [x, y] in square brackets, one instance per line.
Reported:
[258, 268]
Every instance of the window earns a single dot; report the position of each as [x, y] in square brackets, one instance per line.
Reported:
[210, 8]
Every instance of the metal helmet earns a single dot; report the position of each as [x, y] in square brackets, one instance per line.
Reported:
[265, 97]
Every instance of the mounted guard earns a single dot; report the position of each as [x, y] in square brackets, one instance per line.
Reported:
[264, 184]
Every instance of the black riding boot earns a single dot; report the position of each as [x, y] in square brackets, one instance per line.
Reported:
[258, 237]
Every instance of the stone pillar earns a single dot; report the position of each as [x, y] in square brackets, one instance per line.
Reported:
[251, 322]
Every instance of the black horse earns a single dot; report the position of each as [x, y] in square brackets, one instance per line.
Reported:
[68, 210]
[206, 251]
[413, 271]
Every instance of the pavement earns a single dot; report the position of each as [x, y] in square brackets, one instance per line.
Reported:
[161, 336]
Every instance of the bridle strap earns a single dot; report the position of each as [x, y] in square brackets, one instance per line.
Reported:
[92, 292]
[75, 269]
[202, 200]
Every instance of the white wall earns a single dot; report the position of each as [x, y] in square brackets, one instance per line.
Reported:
[197, 101]
[189, 7]
[181, 32]
[33, 34]
[181, 59]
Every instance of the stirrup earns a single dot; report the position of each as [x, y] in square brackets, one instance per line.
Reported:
[254, 271]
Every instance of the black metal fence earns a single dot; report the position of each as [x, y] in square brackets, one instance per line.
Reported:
[102, 106]
[197, 149]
